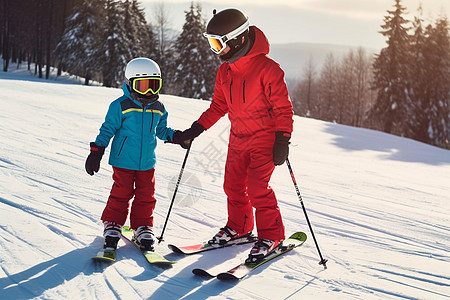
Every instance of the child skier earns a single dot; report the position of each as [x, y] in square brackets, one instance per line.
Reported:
[250, 87]
[135, 120]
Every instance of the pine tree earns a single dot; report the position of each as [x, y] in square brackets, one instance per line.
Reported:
[393, 102]
[196, 66]
[117, 48]
[79, 47]
[139, 34]
[126, 35]
[438, 76]
[419, 88]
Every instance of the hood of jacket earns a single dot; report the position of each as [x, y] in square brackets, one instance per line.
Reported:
[260, 46]
[252, 91]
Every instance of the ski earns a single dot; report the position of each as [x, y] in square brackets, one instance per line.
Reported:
[208, 273]
[241, 270]
[106, 255]
[197, 248]
[151, 256]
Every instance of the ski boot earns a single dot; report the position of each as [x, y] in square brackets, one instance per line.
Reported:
[112, 233]
[144, 238]
[260, 250]
[225, 235]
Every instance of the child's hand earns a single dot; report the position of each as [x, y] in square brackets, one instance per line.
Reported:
[178, 139]
[184, 138]
[93, 160]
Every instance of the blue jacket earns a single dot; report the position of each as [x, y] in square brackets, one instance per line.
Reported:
[135, 129]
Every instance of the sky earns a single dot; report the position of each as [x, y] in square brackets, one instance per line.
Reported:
[340, 22]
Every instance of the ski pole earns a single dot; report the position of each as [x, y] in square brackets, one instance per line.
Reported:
[322, 260]
[160, 239]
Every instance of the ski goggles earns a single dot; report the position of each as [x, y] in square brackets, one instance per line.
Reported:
[219, 43]
[144, 85]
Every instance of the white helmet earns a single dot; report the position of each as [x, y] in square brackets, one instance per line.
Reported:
[140, 67]
[143, 67]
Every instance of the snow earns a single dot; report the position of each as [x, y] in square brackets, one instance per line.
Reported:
[379, 206]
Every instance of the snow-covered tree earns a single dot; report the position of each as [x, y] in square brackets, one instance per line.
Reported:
[196, 65]
[117, 50]
[79, 47]
[417, 122]
[102, 36]
[390, 72]
[139, 34]
[437, 55]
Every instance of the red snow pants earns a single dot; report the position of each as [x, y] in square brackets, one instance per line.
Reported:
[248, 169]
[129, 183]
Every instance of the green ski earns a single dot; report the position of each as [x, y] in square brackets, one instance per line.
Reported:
[241, 270]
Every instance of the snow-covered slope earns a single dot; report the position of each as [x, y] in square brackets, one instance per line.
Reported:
[379, 206]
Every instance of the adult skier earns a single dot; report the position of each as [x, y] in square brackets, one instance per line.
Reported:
[250, 87]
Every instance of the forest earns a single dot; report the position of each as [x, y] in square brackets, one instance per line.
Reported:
[403, 90]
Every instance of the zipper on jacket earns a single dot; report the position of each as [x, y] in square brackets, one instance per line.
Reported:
[142, 135]
[243, 91]
[231, 98]
[268, 101]
[121, 147]
[151, 124]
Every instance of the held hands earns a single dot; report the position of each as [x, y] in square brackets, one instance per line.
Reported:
[281, 147]
[93, 160]
[184, 138]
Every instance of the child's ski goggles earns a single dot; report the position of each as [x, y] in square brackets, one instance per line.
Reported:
[147, 84]
[219, 43]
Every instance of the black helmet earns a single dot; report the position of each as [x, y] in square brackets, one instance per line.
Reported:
[225, 21]
[227, 27]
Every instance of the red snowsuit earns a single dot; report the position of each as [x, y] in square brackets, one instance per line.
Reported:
[129, 183]
[253, 92]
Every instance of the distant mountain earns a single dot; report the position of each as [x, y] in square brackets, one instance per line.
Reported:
[292, 57]
[295, 56]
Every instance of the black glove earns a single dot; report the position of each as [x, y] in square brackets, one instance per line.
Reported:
[281, 147]
[93, 160]
[184, 138]
[177, 139]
